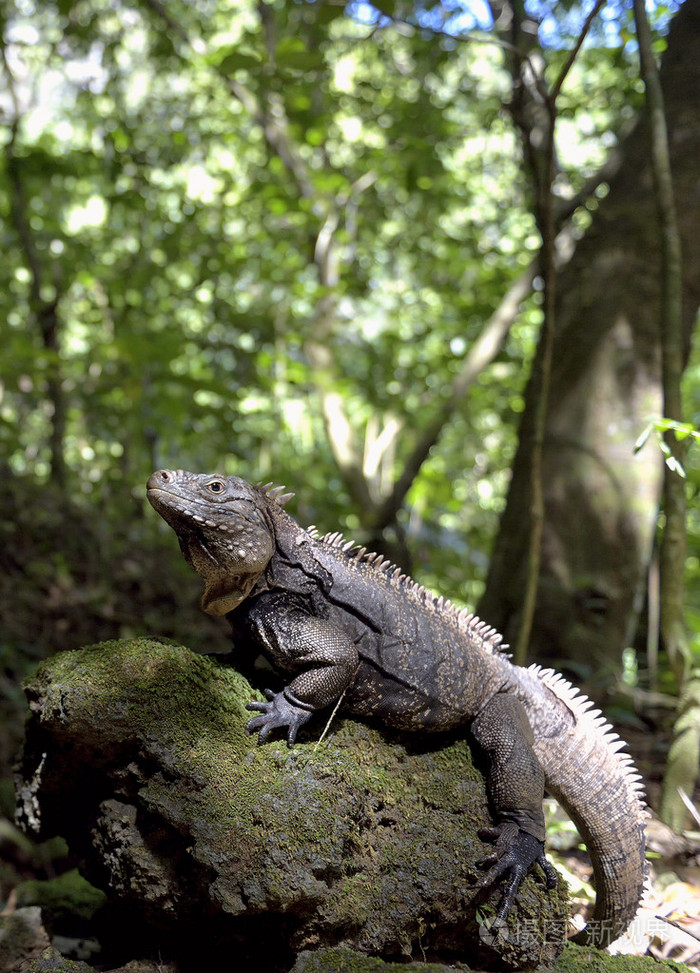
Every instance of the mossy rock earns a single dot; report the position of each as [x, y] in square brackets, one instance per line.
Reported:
[574, 959]
[585, 959]
[65, 895]
[51, 961]
[347, 961]
[136, 753]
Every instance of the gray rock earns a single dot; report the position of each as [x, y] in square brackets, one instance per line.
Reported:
[136, 753]
[22, 937]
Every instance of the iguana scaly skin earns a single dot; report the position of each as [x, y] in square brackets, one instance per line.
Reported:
[349, 626]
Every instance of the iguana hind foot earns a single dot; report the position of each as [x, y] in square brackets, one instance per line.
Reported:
[514, 854]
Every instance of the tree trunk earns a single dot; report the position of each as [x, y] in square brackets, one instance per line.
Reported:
[601, 499]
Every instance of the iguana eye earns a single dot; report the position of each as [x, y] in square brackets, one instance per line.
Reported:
[216, 486]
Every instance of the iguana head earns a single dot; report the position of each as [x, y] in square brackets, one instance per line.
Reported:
[223, 530]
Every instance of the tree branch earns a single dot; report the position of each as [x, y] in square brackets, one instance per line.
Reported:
[681, 770]
[554, 91]
[544, 174]
[673, 547]
[482, 353]
[18, 199]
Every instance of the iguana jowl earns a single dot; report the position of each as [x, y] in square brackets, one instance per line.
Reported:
[345, 623]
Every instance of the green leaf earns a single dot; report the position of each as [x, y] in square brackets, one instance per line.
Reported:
[675, 466]
[644, 437]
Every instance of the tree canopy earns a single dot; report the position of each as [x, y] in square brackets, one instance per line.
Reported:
[241, 235]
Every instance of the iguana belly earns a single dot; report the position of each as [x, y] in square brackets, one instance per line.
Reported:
[378, 695]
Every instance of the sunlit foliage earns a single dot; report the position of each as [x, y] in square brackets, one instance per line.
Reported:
[183, 249]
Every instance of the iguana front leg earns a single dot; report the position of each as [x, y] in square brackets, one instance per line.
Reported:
[295, 640]
[515, 784]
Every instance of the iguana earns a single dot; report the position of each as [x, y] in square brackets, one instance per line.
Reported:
[349, 626]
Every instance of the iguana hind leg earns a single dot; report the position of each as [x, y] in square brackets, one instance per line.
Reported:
[515, 784]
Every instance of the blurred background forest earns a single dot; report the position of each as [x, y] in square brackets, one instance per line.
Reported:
[303, 242]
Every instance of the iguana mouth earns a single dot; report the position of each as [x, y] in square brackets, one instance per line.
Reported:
[189, 512]
[180, 515]
[166, 502]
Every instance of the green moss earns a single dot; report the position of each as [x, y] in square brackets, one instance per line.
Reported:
[67, 894]
[51, 961]
[584, 959]
[574, 959]
[196, 711]
[347, 961]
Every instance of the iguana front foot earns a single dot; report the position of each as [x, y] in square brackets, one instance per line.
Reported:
[514, 854]
[278, 711]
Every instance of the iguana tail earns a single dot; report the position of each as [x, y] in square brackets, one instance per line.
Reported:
[599, 788]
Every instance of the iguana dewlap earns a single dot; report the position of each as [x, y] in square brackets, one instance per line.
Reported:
[348, 626]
